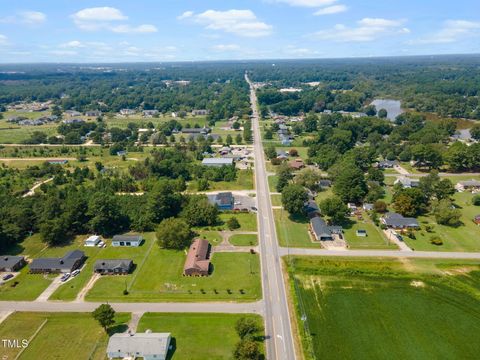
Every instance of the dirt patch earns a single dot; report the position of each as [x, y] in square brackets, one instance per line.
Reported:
[417, 284]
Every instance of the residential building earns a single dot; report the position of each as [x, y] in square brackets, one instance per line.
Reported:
[93, 113]
[386, 164]
[126, 112]
[469, 185]
[407, 182]
[312, 209]
[323, 232]
[367, 207]
[58, 162]
[224, 200]
[218, 162]
[72, 260]
[150, 113]
[397, 221]
[11, 263]
[148, 346]
[113, 266]
[282, 155]
[92, 241]
[200, 112]
[197, 262]
[296, 164]
[127, 240]
[72, 113]
[324, 183]
[73, 121]
[203, 130]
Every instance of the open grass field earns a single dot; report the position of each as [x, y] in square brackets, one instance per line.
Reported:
[58, 335]
[463, 238]
[248, 221]
[292, 232]
[197, 336]
[160, 279]
[244, 181]
[272, 183]
[387, 309]
[244, 240]
[374, 240]
[276, 200]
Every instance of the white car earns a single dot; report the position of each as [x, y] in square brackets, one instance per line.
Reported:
[238, 203]
[101, 244]
[75, 273]
[65, 277]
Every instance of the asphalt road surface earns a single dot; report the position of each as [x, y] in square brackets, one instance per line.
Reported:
[279, 343]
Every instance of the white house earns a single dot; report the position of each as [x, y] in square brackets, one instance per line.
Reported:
[407, 182]
[127, 240]
[469, 185]
[92, 241]
[148, 346]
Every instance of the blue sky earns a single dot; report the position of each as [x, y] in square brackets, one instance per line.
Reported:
[182, 30]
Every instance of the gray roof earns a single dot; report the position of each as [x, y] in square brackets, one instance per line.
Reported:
[320, 227]
[140, 344]
[112, 264]
[398, 221]
[7, 261]
[217, 161]
[65, 263]
[470, 183]
[127, 238]
[223, 198]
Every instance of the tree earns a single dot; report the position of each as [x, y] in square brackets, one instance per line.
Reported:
[270, 152]
[238, 139]
[268, 135]
[202, 184]
[233, 223]
[371, 110]
[105, 216]
[284, 174]
[236, 125]
[308, 178]
[229, 140]
[105, 315]
[246, 326]
[247, 349]
[382, 113]
[335, 209]
[350, 184]
[476, 200]
[446, 214]
[410, 202]
[475, 132]
[380, 206]
[374, 174]
[435, 188]
[174, 233]
[310, 122]
[199, 211]
[294, 198]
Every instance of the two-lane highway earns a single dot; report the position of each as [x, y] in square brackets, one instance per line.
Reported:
[279, 343]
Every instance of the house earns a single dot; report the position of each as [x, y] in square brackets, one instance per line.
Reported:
[217, 162]
[127, 240]
[469, 185]
[406, 182]
[367, 207]
[397, 221]
[58, 162]
[11, 263]
[150, 113]
[282, 155]
[296, 164]
[323, 232]
[352, 207]
[285, 140]
[92, 241]
[204, 130]
[197, 262]
[113, 266]
[72, 260]
[223, 201]
[324, 183]
[148, 346]
[386, 164]
[72, 113]
[126, 112]
[73, 121]
[199, 112]
[122, 153]
[93, 113]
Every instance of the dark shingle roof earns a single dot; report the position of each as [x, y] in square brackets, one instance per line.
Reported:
[8, 262]
[112, 264]
[127, 238]
[66, 262]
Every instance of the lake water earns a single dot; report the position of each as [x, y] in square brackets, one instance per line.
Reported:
[393, 107]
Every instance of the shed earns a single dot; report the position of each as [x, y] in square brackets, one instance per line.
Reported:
[92, 241]
[127, 240]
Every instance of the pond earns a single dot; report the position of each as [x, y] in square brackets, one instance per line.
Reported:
[393, 107]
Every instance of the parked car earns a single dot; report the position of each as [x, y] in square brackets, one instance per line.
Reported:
[75, 273]
[7, 277]
[101, 244]
[65, 277]
[253, 208]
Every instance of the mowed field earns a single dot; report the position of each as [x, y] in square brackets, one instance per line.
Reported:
[387, 309]
[197, 336]
[57, 335]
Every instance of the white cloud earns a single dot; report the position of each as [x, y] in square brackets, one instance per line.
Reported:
[108, 18]
[3, 40]
[128, 29]
[306, 3]
[238, 22]
[185, 15]
[368, 29]
[33, 17]
[452, 31]
[226, 47]
[72, 44]
[329, 10]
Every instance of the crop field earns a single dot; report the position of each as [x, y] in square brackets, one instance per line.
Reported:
[387, 309]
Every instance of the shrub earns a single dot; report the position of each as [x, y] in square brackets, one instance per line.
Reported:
[476, 200]
[435, 240]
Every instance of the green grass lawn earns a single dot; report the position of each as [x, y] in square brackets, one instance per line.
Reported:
[276, 200]
[272, 183]
[388, 309]
[212, 236]
[374, 240]
[244, 240]
[463, 238]
[322, 195]
[62, 336]
[248, 221]
[29, 286]
[198, 336]
[16, 134]
[161, 279]
[244, 181]
[292, 232]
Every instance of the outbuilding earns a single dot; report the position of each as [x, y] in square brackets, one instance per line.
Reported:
[127, 240]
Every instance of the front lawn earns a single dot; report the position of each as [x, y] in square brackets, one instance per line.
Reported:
[198, 336]
[374, 240]
[248, 221]
[291, 231]
[60, 335]
[244, 240]
[161, 279]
